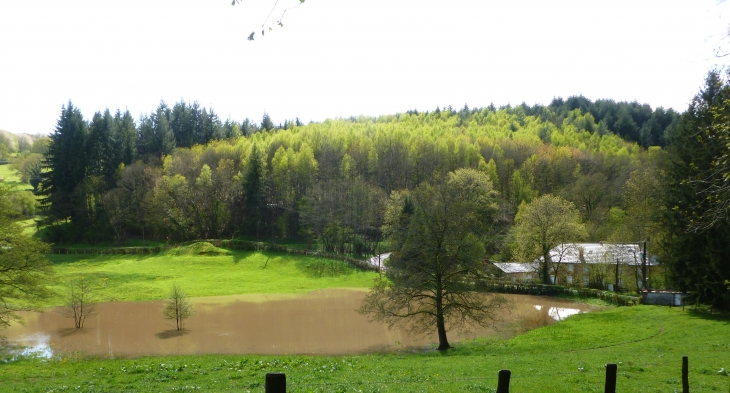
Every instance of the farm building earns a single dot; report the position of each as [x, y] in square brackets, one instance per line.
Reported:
[598, 265]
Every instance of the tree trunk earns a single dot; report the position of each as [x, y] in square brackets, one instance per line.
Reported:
[440, 325]
[546, 268]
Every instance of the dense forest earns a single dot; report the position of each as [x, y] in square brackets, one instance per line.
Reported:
[181, 174]
[631, 173]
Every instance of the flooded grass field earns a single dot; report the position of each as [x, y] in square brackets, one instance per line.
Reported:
[323, 322]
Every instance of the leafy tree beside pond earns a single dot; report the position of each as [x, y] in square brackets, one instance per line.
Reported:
[439, 239]
[24, 272]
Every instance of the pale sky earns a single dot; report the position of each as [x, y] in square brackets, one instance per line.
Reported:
[341, 58]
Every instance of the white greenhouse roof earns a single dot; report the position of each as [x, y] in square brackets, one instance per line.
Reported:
[595, 253]
[516, 267]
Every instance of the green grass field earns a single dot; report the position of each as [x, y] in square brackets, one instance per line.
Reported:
[646, 342]
[108, 245]
[149, 277]
[29, 226]
[12, 179]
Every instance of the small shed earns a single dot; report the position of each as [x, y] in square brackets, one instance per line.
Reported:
[517, 271]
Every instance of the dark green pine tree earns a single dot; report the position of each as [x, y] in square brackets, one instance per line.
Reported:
[112, 149]
[196, 123]
[266, 123]
[210, 126]
[145, 137]
[231, 129]
[248, 127]
[182, 124]
[103, 148]
[254, 193]
[164, 138]
[104, 154]
[216, 131]
[126, 138]
[65, 168]
[698, 255]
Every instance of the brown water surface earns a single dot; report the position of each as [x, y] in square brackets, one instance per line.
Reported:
[321, 322]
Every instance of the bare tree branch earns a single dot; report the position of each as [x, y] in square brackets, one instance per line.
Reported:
[279, 22]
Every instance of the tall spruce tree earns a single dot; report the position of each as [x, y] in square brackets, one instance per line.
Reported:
[104, 151]
[155, 134]
[698, 257]
[266, 123]
[66, 167]
[164, 138]
[145, 137]
[254, 192]
[126, 136]
[182, 125]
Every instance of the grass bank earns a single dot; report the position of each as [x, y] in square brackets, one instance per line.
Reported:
[646, 342]
[212, 272]
[11, 178]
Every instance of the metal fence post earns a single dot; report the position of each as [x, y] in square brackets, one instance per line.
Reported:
[275, 383]
[503, 383]
[685, 374]
[610, 378]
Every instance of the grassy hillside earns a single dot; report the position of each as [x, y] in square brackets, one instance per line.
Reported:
[12, 179]
[646, 342]
[200, 272]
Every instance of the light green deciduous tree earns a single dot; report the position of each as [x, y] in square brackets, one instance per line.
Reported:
[439, 239]
[24, 272]
[542, 225]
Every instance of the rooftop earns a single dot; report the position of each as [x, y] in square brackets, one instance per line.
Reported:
[594, 253]
[516, 267]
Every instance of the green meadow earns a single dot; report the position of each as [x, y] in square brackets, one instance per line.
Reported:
[11, 178]
[203, 270]
[646, 342]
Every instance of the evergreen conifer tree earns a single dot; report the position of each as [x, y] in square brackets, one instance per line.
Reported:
[126, 137]
[266, 123]
[164, 138]
[66, 167]
[181, 124]
[698, 246]
[253, 188]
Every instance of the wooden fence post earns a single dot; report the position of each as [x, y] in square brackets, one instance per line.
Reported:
[685, 374]
[610, 378]
[503, 383]
[275, 383]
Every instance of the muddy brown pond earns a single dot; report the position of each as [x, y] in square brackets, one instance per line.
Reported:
[322, 322]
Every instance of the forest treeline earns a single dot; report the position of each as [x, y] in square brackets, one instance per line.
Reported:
[187, 124]
[632, 121]
[114, 178]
